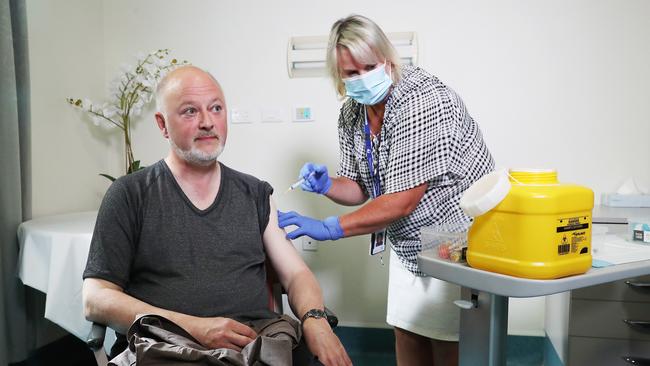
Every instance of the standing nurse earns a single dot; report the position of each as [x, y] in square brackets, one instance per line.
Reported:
[408, 143]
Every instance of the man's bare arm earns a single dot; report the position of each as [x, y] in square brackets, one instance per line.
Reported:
[106, 303]
[304, 293]
[294, 275]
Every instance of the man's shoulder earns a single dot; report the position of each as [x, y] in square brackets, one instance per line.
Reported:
[140, 181]
[239, 177]
[245, 182]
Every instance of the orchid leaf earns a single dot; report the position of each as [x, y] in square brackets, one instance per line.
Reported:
[107, 177]
[135, 166]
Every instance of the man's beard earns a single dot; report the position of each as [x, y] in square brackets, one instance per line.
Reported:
[195, 156]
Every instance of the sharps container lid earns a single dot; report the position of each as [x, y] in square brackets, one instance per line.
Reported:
[485, 193]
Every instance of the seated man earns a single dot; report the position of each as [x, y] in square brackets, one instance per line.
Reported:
[187, 238]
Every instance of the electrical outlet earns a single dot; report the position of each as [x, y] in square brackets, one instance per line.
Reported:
[309, 244]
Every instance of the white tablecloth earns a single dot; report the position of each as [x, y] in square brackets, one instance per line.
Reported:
[53, 254]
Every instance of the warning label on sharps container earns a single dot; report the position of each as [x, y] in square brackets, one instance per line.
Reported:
[571, 232]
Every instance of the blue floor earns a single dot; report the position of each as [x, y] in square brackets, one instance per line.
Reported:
[368, 346]
[376, 347]
[524, 351]
[365, 346]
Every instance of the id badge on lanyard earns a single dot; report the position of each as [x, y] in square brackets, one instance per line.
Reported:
[378, 238]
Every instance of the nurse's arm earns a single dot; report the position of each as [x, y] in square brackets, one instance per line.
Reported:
[385, 209]
[345, 191]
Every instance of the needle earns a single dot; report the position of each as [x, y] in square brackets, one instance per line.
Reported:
[298, 183]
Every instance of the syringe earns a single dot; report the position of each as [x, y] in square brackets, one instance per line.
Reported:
[298, 183]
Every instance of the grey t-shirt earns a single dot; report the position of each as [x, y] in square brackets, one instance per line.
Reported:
[153, 242]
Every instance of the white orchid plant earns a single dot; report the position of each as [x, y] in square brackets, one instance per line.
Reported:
[130, 91]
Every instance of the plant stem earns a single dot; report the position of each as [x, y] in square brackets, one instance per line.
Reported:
[106, 118]
[128, 151]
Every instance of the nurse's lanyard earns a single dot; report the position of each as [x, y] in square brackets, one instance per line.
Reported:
[377, 239]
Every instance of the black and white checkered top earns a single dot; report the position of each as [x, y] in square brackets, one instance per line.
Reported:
[427, 136]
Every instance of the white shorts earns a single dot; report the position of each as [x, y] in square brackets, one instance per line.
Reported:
[422, 305]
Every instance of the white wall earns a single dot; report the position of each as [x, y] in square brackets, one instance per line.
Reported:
[65, 45]
[551, 83]
[66, 49]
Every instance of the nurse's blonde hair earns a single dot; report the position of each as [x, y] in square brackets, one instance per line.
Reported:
[367, 44]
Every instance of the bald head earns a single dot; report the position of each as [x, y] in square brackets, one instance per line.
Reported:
[192, 115]
[174, 79]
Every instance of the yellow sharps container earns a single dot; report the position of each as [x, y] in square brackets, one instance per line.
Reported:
[527, 224]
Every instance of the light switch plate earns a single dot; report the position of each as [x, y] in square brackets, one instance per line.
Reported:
[242, 115]
[273, 114]
[303, 114]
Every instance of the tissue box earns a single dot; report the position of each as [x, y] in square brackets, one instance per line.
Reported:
[639, 230]
[626, 200]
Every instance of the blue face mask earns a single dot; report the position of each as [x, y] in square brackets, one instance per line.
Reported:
[369, 88]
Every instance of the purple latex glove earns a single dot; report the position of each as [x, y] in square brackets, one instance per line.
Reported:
[328, 229]
[316, 178]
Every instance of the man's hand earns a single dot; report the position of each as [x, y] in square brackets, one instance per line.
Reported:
[220, 332]
[323, 343]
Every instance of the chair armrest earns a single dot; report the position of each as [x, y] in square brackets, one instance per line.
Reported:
[332, 319]
[95, 340]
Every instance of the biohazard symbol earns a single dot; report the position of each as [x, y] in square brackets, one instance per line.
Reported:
[564, 247]
[496, 242]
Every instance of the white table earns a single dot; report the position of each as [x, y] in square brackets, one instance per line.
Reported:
[483, 327]
[53, 254]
